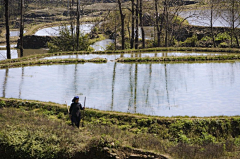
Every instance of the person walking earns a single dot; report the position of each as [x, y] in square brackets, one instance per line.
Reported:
[75, 113]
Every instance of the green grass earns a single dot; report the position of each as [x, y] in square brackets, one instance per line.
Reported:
[180, 137]
[179, 58]
[50, 62]
[36, 57]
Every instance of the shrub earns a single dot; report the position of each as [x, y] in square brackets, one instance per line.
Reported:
[2, 104]
[190, 42]
[222, 37]
[65, 42]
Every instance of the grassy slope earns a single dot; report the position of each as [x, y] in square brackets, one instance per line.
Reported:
[181, 137]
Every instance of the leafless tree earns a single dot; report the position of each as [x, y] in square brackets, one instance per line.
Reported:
[78, 23]
[133, 27]
[122, 24]
[232, 17]
[136, 28]
[141, 22]
[21, 28]
[7, 29]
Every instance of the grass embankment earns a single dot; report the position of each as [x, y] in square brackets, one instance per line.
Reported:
[50, 62]
[181, 137]
[179, 58]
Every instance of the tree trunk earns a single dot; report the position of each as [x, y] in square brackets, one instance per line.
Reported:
[21, 29]
[211, 23]
[7, 30]
[166, 20]
[78, 23]
[141, 22]
[233, 21]
[71, 19]
[136, 34]
[122, 23]
[157, 24]
[132, 38]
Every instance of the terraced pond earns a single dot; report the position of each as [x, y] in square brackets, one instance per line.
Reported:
[112, 57]
[171, 89]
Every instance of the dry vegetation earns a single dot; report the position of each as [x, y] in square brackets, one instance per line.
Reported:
[112, 133]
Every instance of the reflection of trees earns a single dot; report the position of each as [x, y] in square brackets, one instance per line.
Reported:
[113, 83]
[149, 84]
[133, 88]
[21, 83]
[5, 83]
[75, 80]
[166, 82]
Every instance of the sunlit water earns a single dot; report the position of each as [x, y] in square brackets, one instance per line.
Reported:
[193, 89]
[115, 56]
[15, 53]
[102, 45]
[202, 18]
[15, 33]
[54, 31]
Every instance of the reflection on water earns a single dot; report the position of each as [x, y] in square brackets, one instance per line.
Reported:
[12, 46]
[54, 31]
[3, 54]
[115, 56]
[202, 18]
[198, 89]
[102, 45]
[15, 33]
[15, 53]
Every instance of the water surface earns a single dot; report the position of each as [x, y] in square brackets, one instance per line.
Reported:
[193, 89]
[54, 31]
[202, 18]
[115, 56]
[15, 53]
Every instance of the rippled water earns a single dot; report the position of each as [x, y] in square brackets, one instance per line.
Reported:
[194, 89]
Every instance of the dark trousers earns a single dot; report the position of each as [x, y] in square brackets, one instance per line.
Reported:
[76, 121]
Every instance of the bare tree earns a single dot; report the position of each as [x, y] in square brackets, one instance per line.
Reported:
[71, 21]
[157, 24]
[211, 22]
[78, 23]
[122, 23]
[132, 37]
[232, 17]
[7, 29]
[141, 22]
[166, 18]
[137, 16]
[21, 28]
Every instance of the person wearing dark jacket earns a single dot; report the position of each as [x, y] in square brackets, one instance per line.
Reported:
[74, 113]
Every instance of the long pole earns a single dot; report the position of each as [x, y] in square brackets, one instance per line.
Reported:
[83, 112]
[7, 29]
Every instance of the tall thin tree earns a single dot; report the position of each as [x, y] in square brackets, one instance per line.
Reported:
[141, 22]
[133, 19]
[71, 21]
[137, 16]
[78, 23]
[7, 29]
[21, 28]
[122, 24]
[157, 23]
